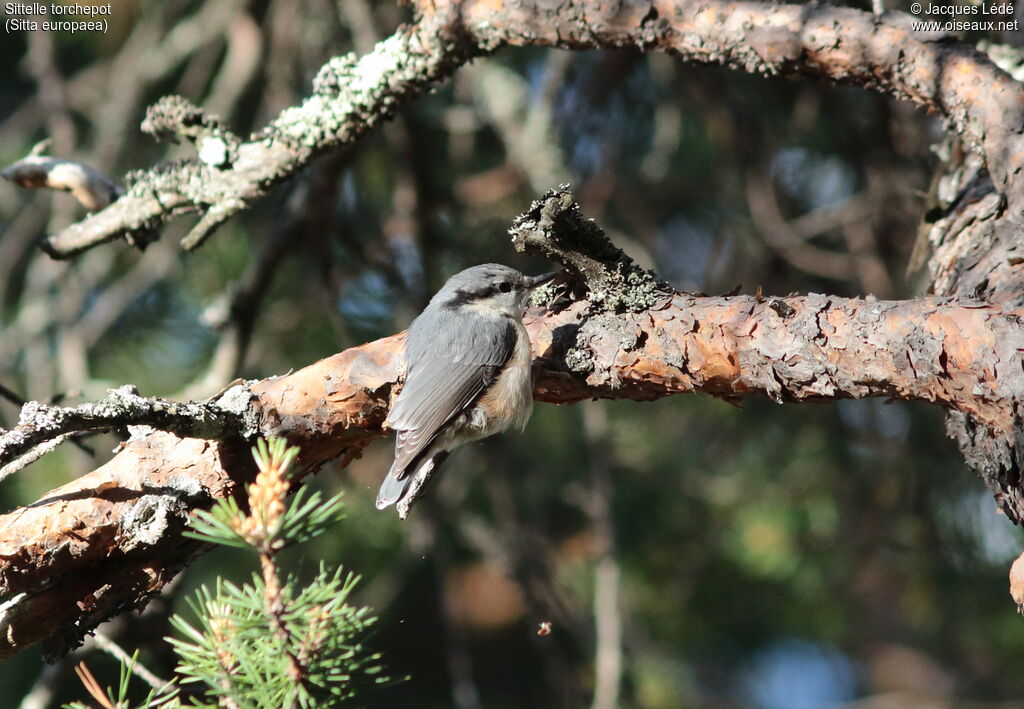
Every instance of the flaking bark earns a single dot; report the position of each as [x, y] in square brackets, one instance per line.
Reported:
[352, 97]
[112, 538]
[101, 544]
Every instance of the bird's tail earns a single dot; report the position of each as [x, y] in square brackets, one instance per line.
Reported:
[394, 489]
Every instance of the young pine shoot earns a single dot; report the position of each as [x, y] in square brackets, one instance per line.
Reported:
[272, 642]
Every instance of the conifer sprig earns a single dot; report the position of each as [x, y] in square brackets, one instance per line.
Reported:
[273, 642]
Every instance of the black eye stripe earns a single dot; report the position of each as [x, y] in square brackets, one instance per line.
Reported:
[463, 297]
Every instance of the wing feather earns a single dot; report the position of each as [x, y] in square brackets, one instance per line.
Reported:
[444, 377]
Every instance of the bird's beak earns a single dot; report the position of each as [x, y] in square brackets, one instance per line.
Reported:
[532, 283]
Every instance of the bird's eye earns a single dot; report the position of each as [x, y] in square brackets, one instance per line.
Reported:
[504, 286]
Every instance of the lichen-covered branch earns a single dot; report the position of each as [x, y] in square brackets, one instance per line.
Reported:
[555, 229]
[106, 541]
[352, 97]
[40, 424]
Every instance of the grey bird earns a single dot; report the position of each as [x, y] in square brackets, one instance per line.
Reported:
[468, 373]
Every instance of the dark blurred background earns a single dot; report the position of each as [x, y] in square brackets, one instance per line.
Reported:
[687, 553]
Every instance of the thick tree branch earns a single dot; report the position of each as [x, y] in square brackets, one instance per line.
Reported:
[106, 541]
[984, 104]
[40, 424]
[353, 97]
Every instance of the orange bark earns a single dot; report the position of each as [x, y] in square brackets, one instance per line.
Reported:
[112, 538]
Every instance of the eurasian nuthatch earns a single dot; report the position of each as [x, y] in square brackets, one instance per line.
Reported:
[468, 372]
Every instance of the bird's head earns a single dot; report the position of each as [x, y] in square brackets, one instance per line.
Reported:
[490, 289]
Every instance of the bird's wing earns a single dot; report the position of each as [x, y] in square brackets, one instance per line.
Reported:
[440, 383]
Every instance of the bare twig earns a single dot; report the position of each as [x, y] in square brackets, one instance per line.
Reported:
[31, 456]
[11, 396]
[244, 52]
[89, 186]
[42, 65]
[41, 695]
[17, 400]
[110, 538]
[787, 241]
[42, 425]
[353, 97]
[235, 316]
[107, 644]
